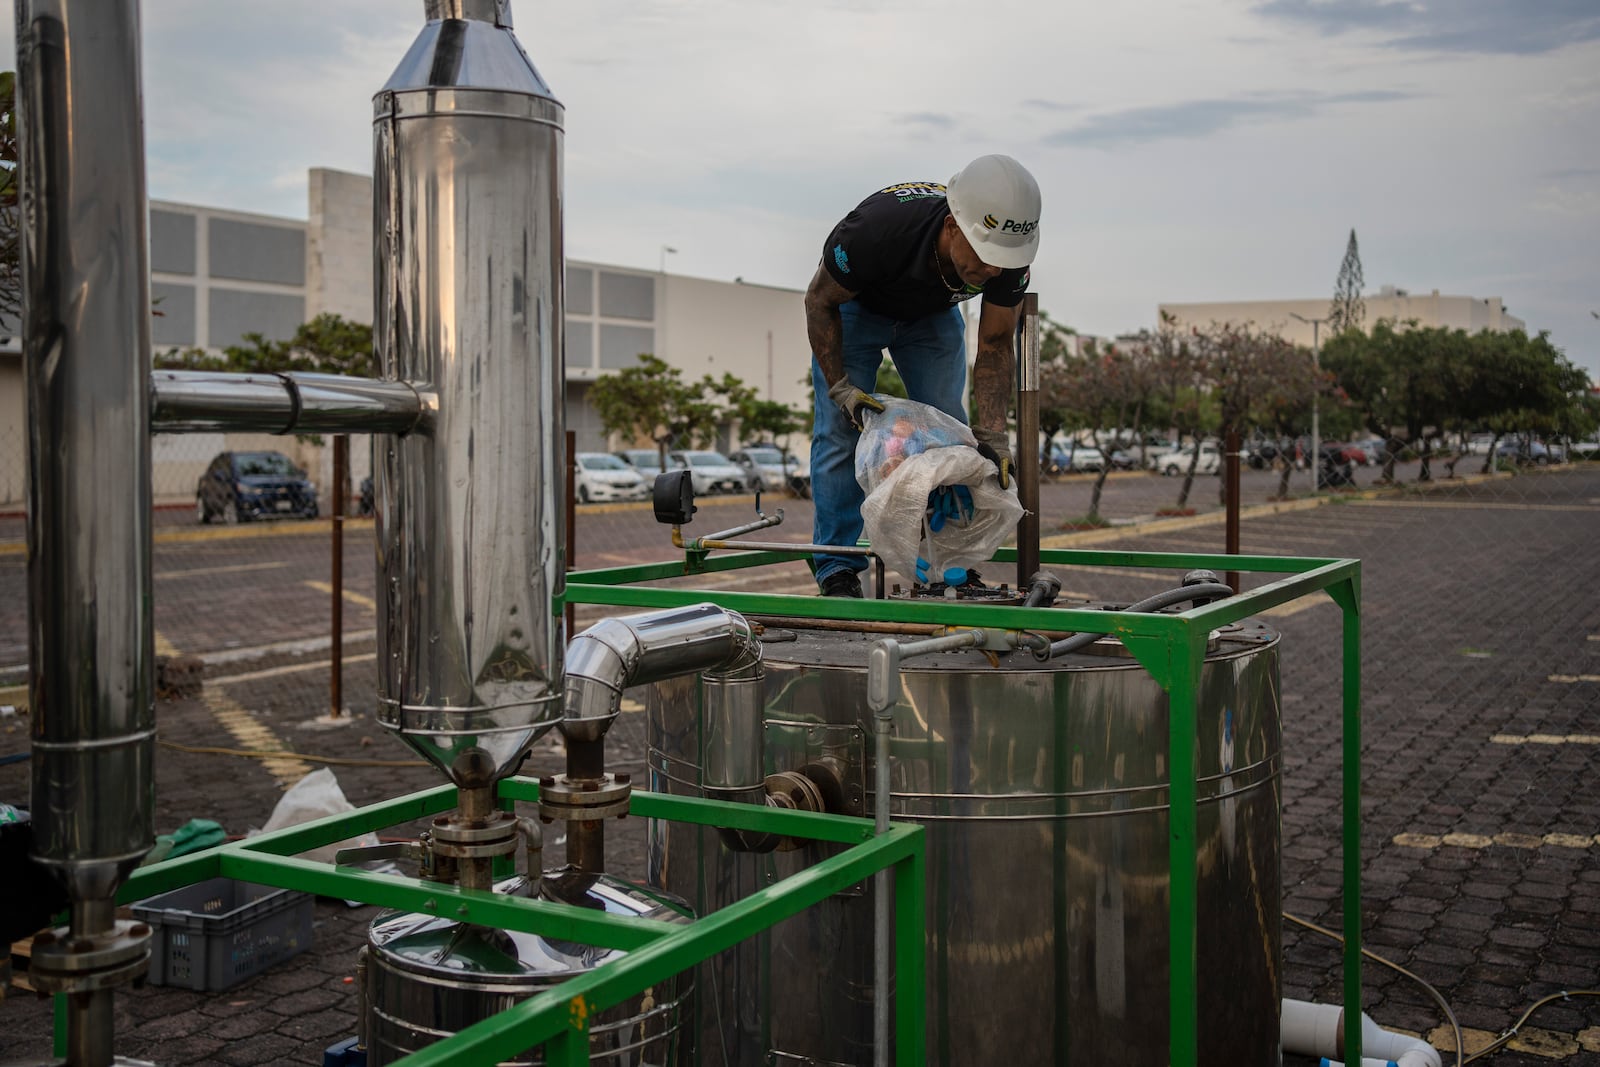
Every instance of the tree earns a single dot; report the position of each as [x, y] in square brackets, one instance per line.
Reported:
[1180, 393]
[1098, 389]
[1283, 407]
[328, 344]
[1347, 312]
[652, 400]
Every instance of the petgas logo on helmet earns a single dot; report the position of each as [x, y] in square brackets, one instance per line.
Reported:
[1021, 229]
[990, 222]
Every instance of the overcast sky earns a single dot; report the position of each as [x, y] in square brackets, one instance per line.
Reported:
[1204, 150]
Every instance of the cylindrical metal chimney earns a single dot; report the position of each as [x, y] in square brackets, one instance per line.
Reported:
[86, 353]
[469, 310]
[86, 363]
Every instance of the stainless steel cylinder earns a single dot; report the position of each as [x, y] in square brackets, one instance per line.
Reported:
[424, 978]
[1044, 792]
[468, 310]
[86, 361]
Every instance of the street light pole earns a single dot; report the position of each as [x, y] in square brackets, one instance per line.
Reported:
[665, 252]
[1316, 429]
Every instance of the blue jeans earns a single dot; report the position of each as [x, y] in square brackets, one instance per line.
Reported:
[931, 355]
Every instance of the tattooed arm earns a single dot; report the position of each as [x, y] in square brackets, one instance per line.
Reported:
[992, 374]
[823, 326]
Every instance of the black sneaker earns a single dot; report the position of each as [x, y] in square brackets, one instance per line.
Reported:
[842, 583]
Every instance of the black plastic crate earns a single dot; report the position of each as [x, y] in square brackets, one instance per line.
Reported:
[213, 935]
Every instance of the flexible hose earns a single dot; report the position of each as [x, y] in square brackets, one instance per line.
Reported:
[1455, 1027]
[1204, 591]
[1500, 1042]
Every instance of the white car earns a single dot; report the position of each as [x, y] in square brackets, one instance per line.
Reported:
[711, 472]
[764, 469]
[602, 476]
[1173, 464]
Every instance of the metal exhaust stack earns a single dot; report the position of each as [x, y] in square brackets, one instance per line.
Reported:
[86, 358]
[468, 310]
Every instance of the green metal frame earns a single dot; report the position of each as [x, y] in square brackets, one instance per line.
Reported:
[558, 1018]
[1171, 647]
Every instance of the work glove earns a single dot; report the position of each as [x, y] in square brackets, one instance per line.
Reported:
[851, 401]
[995, 446]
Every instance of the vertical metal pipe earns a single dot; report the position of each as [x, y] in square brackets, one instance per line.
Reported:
[570, 481]
[341, 493]
[1230, 469]
[1028, 441]
[86, 365]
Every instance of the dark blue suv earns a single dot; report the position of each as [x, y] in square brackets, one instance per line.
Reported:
[239, 486]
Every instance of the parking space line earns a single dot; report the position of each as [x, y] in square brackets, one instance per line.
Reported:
[1546, 1044]
[1295, 607]
[164, 647]
[1545, 739]
[289, 668]
[1482, 841]
[349, 594]
[230, 569]
[1569, 679]
[250, 733]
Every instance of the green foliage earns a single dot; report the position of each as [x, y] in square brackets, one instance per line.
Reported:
[653, 401]
[328, 344]
[1415, 385]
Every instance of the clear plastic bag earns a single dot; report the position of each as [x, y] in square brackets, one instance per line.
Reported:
[909, 460]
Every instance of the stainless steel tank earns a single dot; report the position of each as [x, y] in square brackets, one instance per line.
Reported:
[468, 309]
[1043, 788]
[424, 978]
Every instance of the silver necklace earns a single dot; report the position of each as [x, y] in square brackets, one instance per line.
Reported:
[940, 268]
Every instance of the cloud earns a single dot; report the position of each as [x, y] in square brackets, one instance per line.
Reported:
[930, 120]
[1201, 118]
[1495, 27]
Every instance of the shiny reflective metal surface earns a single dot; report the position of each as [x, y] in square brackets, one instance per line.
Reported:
[86, 352]
[215, 402]
[630, 650]
[424, 978]
[86, 363]
[1044, 791]
[468, 276]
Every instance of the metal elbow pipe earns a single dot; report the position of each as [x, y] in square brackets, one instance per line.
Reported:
[616, 653]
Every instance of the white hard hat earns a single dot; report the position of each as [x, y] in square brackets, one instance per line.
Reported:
[995, 201]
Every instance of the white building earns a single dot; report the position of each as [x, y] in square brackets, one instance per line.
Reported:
[217, 275]
[1396, 305]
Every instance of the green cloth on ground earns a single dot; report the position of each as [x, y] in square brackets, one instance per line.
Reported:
[192, 836]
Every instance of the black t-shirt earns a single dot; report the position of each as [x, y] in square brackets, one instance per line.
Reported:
[883, 252]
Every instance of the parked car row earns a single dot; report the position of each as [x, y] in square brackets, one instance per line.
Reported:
[630, 474]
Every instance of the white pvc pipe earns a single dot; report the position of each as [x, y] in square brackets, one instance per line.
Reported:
[1318, 1030]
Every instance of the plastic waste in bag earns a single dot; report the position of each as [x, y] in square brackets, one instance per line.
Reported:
[931, 498]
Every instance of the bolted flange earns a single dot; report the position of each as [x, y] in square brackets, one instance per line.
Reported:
[572, 800]
[63, 963]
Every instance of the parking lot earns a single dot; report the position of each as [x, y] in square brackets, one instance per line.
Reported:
[1481, 727]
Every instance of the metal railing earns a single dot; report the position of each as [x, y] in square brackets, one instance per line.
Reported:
[558, 1018]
